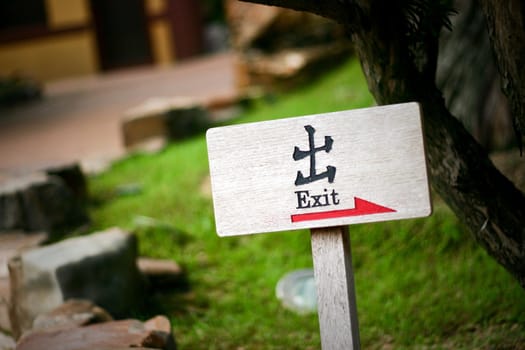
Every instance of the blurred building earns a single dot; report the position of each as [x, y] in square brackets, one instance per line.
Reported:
[52, 39]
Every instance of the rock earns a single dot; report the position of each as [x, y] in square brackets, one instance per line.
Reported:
[264, 36]
[38, 202]
[225, 107]
[18, 89]
[162, 335]
[73, 313]
[163, 118]
[6, 342]
[144, 122]
[162, 273]
[11, 210]
[287, 63]
[11, 244]
[283, 66]
[271, 29]
[96, 165]
[73, 178]
[107, 335]
[158, 323]
[184, 120]
[100, 267]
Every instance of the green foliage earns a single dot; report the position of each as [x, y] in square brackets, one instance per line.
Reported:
[420, 283]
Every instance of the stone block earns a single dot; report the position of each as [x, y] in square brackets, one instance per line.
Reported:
[162, 273]
[163, 118]
[141, 124]
[186, 119]
[108, 335]
[73, 177]
[274, 44]
[270, 29]
[38, 202]
[100, 267]
[72, 313]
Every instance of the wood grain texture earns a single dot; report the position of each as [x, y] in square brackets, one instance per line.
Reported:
[378, 154]
[335, 288]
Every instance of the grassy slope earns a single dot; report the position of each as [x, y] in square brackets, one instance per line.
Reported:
[419, 282]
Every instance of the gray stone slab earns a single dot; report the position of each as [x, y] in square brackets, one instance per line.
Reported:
[100, 267]
[39, 202]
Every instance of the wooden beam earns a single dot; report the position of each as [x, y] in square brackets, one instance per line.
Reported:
[334, 279]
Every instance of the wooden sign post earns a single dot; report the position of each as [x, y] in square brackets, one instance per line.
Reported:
[334, 278]
[321, 172]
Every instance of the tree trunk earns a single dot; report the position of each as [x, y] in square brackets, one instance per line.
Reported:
[506, 25]
[468, 77]
[400, 70]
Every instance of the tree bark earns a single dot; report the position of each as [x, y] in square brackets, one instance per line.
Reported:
[506, 25]
[468, 77]
[399, 70]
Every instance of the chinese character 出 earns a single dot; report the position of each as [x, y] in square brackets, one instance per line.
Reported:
[299, 154]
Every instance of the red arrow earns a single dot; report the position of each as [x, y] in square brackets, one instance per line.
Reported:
[362, 207]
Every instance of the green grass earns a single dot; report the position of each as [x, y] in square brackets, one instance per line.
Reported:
[421, 284]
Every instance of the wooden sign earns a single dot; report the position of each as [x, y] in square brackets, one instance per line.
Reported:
[322, 170]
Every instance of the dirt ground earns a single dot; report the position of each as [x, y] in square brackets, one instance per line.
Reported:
[79, 119]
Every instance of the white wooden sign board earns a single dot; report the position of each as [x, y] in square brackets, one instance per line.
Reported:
[322, 170]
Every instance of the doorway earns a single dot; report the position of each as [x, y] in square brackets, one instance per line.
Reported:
[122, 33]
